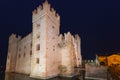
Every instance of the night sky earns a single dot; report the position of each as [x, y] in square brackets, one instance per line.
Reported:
[97, 23]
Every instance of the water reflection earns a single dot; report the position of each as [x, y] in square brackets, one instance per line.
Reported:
[1, 76]
[14, 76]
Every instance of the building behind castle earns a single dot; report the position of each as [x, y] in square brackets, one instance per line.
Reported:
[44, 53]
[108, 60]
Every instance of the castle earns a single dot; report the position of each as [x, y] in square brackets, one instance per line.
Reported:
[44, 53]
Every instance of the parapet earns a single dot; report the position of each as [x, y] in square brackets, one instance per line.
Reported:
[13, 38]
[19, 37]
[77, 37]
[12, 35]
[43, 9]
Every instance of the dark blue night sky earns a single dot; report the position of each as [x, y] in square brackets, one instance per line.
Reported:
[97, 22]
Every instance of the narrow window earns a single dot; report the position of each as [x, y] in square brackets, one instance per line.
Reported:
[30, 52]
[53, 48]
[38, 26]
[37, 60]
[24, 54]
[19, 56]
[53, 27]
[38, 35]
[38, 47]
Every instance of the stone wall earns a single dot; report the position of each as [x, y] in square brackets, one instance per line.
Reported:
[77, 46]
[38, 60]
[23, 60]
[93, 71]
[53, 56]
[12, 53]
[69, 54]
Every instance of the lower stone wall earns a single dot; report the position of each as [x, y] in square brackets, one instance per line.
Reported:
[93, 71]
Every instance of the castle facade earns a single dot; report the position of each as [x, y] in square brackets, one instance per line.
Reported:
[44, 53]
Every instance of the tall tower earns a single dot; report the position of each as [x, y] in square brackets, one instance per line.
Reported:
[12, 53]
[46, 24]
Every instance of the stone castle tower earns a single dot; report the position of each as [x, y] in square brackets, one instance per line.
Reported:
[12, 50]
[46, 23]
[44, 53]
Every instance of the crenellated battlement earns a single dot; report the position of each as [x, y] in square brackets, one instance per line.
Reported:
[14, 38]
[68, 38]
[39, 9]
[12, 35]
[45, 9]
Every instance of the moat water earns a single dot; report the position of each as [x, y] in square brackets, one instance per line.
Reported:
[14, 76]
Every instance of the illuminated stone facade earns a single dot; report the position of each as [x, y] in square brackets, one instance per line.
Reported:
[44, 53]
[96, 72]
[110, 60]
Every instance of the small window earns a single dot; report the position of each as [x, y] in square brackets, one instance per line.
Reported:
[30, 53]
[53, 27]
[24, 54]
[38, 47]
[53, 48]
[37, 60]
[38, 35]
[19, 56]
[38, 26]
